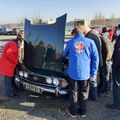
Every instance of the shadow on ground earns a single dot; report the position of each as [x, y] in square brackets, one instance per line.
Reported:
[49, 107]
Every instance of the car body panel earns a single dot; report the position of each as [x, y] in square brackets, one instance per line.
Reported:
[44, 45]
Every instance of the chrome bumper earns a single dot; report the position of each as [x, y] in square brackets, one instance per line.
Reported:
[40, 89]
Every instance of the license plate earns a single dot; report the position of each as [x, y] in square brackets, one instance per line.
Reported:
[32, 88]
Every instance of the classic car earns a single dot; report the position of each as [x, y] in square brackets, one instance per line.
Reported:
[43, 69]
[15, 31]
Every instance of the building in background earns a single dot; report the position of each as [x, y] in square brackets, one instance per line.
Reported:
[78, 22]
[106, 22]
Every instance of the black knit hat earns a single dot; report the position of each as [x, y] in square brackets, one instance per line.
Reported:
[119, 26]
[104, 29]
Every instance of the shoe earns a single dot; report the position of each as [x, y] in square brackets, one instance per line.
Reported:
[83, 115]
[4, 99]
[13, 95]
[112, 106]
[94, 99]
[71, 114]
[104, 95]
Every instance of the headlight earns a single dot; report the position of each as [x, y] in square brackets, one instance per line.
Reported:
[64, 83]
[25, 74]
[55, 81]
[49, 80]
[17, 79]
[21, 73]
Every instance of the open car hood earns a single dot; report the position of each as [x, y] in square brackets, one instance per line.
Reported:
[43, 45]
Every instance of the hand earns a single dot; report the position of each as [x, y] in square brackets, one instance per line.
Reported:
[93, 81]
[92, 78]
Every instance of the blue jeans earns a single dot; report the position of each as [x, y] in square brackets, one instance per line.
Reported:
[93, 91]
[116, 88]
[104, 84]
[8, 86]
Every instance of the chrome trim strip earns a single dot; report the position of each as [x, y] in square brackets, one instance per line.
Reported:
[32, 73]
[35, 82]
[50, 90]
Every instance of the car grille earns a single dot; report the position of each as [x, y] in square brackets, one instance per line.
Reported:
[39, 79]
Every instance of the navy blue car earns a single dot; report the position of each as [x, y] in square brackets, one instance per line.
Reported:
[42, 69]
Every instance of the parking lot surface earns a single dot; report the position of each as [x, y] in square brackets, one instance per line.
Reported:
[49, 107]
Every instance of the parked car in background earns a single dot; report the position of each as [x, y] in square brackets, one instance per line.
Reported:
[15, 31]
[8, 31]
[2, 30]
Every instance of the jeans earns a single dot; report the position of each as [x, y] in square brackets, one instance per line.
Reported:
[104, 84]
[116, 88]
[2, 90]
[94, 90]
[8, 86]
[78, 95]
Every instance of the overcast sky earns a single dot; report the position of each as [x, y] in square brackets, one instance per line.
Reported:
[14, 10]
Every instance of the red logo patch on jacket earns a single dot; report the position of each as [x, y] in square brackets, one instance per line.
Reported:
[79, 46]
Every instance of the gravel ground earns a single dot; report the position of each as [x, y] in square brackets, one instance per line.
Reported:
[49, 107]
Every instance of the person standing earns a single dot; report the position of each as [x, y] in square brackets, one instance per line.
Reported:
[104, 84]
[89, 33]
[8, 62]
[118, 30]
[111, 33]
[116, 76]
[83, 65]
[21, 47]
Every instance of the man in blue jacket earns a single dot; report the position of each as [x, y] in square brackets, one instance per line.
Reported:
[83, 65]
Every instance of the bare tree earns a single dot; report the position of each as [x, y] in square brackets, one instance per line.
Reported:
[112, 20]
[99, 15]
[21, 21]
[96, 16]
[37, 20]
[112, 16]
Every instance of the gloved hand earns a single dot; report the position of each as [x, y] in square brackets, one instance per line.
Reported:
[93, 81]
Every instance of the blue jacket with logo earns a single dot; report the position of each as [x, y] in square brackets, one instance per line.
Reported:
[83, 58]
